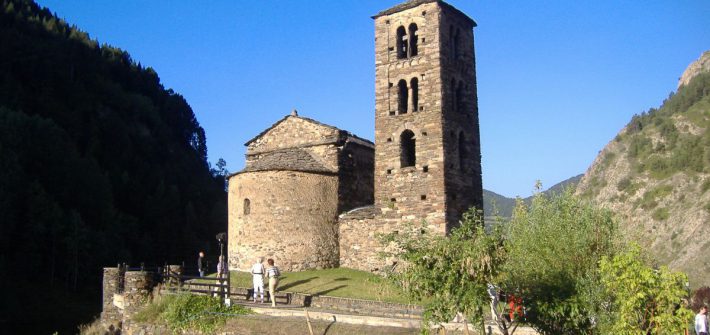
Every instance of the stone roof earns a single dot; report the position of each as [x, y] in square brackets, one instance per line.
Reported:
[414, 3]
[366, 212]
[287, 160]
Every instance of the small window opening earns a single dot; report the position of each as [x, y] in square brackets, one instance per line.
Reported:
[247, 206]
[407, 148]
[392, 113]
[389, 171]
[415, 93]
[424, 133]
[463, 154]
[389, 139]
[393, 199]
[425, 168]
[423, 197]
[459, 98]
[402, 96]
[413, 40]
[401, 42]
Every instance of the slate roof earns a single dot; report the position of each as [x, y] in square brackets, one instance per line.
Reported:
[414, 3]
[287, 160]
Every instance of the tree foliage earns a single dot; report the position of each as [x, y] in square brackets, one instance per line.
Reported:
[453, 272]
[554, 247]
[643, 300]
[100, 163]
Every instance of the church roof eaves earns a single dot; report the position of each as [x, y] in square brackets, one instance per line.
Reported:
[414, 3]
[287, 160]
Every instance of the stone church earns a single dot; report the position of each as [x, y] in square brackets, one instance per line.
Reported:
[314, 196]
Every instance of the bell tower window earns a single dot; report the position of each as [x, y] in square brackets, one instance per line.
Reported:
[463, 154]
[414, 84]
[401, 42]
[413, 40]
[408, 156]
[402, 97]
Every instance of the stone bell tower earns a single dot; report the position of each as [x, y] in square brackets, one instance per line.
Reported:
[427, 142]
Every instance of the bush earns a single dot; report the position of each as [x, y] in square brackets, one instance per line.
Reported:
[189, 312]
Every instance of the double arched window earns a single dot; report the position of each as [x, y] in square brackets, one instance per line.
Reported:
[408, 96]
[407, 149]
[407, 41]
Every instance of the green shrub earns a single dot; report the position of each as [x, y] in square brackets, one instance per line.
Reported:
[660, 214]
[197, 312]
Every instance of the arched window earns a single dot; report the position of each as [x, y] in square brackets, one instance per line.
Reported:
[407, 143]
[413, 40]
[247, 206]
[454, 35]
[402, 96]
[414, 84]
[463, 154]
[401, 42]
[459, 98]
[452, 95]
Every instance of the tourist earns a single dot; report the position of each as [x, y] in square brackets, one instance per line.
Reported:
[701, 321]
[273, 273]
[201, 264]
[257, 272]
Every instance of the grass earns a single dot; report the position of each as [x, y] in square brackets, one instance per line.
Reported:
[340, 282]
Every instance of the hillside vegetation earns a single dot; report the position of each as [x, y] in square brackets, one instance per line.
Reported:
[656, 175]
[100, 164]
[495, 204]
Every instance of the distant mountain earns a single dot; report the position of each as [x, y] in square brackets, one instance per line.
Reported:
[496, 204]
[655, 174]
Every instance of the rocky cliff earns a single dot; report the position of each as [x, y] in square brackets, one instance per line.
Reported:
[655, 174]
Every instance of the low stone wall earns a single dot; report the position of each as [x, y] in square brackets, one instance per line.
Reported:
[111, 315]
[337, 304]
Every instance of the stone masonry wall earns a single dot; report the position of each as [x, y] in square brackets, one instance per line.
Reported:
[417, 192]
[292, 218]
[356, 178]
[110, 314]
[293, 131]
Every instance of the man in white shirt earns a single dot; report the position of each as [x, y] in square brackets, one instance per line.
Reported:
[701, 321]
[257, 272]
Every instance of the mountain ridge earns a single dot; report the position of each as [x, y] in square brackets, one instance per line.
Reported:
[655, 175]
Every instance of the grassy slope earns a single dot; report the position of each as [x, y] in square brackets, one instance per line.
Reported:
[344, 283]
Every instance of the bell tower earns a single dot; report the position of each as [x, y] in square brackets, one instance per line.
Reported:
[427, 141]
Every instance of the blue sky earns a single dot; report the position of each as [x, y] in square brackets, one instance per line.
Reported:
[557, 79]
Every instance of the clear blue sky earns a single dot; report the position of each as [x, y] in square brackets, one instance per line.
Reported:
[557, 79]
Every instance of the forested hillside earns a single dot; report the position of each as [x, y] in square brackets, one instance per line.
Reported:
[99, 163]
[656, 175]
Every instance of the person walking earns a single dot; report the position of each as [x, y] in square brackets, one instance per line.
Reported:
[257, 272]
[273, 273]
[701, 321]
[201, 264]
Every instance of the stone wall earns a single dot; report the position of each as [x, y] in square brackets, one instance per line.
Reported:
[111, 315]
[355, 175]
[138, 290]
[291, 218]
[291, 132]
[443, 182]
[416, 191]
